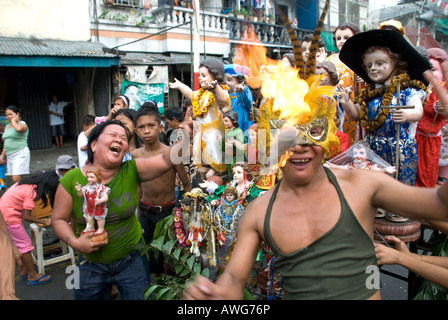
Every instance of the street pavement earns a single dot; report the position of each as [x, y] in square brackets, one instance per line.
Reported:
[45, 159]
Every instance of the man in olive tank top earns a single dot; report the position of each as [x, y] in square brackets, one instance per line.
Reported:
[319, 221]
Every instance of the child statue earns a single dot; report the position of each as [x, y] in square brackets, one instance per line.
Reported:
[209, 103]
[242, 181]
[359, 156]
[391, 104]
[95, 201]
[227, 217]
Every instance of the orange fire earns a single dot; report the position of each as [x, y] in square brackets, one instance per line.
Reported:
[276, 81]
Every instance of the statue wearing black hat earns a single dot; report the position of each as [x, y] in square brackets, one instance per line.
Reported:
[389, 64]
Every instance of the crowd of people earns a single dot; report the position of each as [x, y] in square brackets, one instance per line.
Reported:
[242, 177]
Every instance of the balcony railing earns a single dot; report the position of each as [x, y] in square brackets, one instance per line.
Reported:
[269, 34]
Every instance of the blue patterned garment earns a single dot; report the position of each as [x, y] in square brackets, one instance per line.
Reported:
[383, 142]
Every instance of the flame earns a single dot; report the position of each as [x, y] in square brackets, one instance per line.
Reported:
[276, 81]
[284, 158]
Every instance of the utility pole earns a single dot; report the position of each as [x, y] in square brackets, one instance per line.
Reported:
[196, 44]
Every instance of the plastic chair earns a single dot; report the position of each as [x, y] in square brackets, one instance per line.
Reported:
[38, 253]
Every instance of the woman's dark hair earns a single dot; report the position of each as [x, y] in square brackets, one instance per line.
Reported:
[131, 114]
[46, 183]
[174, 113]
[13, 108]
[215, 67]
[97, 131]
[233, 116]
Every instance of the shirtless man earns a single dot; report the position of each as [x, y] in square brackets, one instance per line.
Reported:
[158, 195]
[319, 224]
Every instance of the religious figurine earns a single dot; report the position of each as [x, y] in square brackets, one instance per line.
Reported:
[224, 224]
[195, 214]
[209, 103]
[95, 201]
[233, 137]
[359, 156]
[227, 217]
[391, 104]
[242, 181]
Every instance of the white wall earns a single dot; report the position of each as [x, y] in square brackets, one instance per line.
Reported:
[45, 19]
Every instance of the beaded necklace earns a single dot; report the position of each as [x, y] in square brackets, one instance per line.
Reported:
[370, 92]
[274, 284]
[200, 107]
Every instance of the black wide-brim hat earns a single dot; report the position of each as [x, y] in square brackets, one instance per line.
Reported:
[353, 49]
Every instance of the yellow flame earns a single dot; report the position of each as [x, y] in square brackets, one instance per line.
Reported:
[276, 81]
[284, 158]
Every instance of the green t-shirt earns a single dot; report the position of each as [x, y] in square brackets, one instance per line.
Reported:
[122, 225]
[14, 141]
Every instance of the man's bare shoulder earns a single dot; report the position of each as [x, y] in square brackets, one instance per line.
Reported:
[143, 152]
[258, 206]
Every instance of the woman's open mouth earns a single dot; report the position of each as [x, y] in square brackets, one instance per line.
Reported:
[116, 150]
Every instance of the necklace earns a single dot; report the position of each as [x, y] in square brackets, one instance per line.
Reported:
[201, 104]
[370, 92]
[275, 282]
[228, 213]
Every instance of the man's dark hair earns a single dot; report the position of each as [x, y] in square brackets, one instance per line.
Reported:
[88, 119]
[174, 113]
[149, 108]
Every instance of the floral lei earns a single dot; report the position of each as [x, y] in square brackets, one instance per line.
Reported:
[199, 107]
[370, 93]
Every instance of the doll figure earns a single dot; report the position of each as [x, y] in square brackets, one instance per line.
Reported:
[209, 103]
[226, 219]
[359, 156]
[233, 138]
[242, 181]
[241, 98]
[384, 59]
[347, 77]
[95, 201]
[430, 145]
[227, 216]
[194, 209]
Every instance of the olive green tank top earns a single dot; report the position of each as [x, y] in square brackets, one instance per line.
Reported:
[332, 267]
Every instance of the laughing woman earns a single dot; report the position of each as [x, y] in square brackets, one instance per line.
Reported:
[112, 261]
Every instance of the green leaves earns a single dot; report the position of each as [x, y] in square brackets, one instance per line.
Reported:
[185, 264]
[429, 290]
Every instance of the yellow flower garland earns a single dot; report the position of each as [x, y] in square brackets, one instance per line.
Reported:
[370, 93]
[199, 106]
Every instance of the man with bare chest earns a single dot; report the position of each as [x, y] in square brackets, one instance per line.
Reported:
[158, 196]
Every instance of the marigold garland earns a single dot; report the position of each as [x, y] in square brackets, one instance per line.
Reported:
[199, 106]
[369, 93]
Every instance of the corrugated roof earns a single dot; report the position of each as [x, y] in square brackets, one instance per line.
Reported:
[55, 48]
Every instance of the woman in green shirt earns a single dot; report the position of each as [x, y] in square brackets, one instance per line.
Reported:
[112, 261]
[15, 153]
